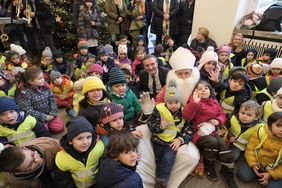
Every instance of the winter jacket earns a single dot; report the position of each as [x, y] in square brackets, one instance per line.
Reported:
[198, 46]
[185, 17]
[157, 21]
[85, 29]
[37, 102]
[63, 68]
[266, 154]
[203, 111]
[114, 174]
[66, 88]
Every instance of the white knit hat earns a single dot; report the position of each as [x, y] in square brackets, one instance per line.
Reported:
[47, 52]
[208, 55]
[276, 63]
[18, 49]
[182, 59]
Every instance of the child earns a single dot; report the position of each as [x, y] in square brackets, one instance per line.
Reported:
[170, 131]
[224, 61]
[78, 96]
[31, 164]
[268, 55]
[208, 66]
[263, 154]
[77, 163]
[275, 69]
[46, 63]
[242, 124]
[207, 116]
[119, 163]
[80, 58]
[159, 54]
[7, 86]
[271, 106]
[169, 47]
[96, 70]
[234, 92]
[121, 94]
[141, 41]
[22, 53]
[271, 90]
[61, 64]
[13, 62]
[251, 55]
[62, 88]
[112, 123]
[36, 99]
[94, 92]
[137, 65]
[122, 57]
[129, 81]
[16, 126]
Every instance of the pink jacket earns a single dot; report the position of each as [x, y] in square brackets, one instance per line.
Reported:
[204, 111]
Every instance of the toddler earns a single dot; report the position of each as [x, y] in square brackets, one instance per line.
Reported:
[251, 55]
[46, 63]
[224, 61]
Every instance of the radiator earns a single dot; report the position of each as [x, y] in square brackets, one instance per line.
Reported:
[261, 45]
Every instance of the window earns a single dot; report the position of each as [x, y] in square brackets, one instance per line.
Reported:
[267, 3]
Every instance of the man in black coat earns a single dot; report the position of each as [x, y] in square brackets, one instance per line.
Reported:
[152, 78]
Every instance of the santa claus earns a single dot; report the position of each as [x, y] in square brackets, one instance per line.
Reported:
[183, 72]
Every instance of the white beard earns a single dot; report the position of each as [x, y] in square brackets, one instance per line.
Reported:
[185, 86]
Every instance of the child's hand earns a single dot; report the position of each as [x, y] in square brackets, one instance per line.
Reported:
[175, 144]
[232, 139]
[214, 122]
[196, 97]
[214, 75]
[137, 133]
[163, 124]
[265, 177]
[256, 171]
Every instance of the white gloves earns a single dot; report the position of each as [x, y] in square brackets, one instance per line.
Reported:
[147, 104]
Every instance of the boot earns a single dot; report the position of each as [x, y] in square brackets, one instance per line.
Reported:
[160, 183]
[228, 177]
[209, 170]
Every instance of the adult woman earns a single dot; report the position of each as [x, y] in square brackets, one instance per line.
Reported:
[237, 50]
[164, 21]
[88, 23]
[202, 40]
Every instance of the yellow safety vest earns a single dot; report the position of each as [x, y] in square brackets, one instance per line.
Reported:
[266, 93]
[267, 110]
[242, 138]
[226, 71]
[22, 134]
[11, 92]
[227, 103]
[171, 131]
[83, 175]
[262, 137]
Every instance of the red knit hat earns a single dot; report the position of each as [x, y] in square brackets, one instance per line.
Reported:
[111, 112]
[96, 68]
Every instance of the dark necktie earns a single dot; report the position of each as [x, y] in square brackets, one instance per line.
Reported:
[154, 85]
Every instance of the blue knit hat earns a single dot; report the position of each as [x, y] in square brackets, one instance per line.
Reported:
[78, 125]
[140, 37]
[7, 103]
[116, 76]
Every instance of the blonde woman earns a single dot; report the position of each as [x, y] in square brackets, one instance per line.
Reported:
[237, 50]
[202, 40]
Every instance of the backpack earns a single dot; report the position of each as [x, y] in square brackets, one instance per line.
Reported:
[271, 19]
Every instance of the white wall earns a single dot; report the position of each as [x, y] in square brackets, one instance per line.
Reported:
[220, 17]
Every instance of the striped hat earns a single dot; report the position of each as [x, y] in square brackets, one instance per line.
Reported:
[116, 76]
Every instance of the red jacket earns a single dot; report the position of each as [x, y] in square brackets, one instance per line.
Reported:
[204, 111]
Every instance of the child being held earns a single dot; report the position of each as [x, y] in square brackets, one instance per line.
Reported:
[263, 154]
[207, 116]
[77, 163]
[170, 131]
[62, 88]
[36, 99]
[17, 127]
[242, 124]
[119, 163]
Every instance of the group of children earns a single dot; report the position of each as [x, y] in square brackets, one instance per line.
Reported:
[229, 112]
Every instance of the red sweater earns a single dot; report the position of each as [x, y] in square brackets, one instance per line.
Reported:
[204, 111]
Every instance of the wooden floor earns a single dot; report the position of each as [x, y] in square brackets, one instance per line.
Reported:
[190, 181]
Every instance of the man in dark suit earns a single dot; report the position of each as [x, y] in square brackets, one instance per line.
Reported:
[152, 78]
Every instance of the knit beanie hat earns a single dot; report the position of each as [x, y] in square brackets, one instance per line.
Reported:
[172, 93]
[238, 69]
[55, 74]
[110, 112]
[96, 68]
[182, 59]
[82, 44]
[140, 38]
[254, 50]
[76, 126]
[18, 49]
[102, 51]
[255, 70]
[276, 63]
[275, 84]
[58, 53]
[109, 48]
[47, 52]
[116, 76]
[224, 48]
[208, 55]
[6, 103]
[122, 49]
[92, 82]
[279, 92]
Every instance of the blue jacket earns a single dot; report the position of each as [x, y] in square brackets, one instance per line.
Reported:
[113, 174]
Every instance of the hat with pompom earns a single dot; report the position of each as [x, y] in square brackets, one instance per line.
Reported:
[276, 63]
[208, 55]
[18, 49]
